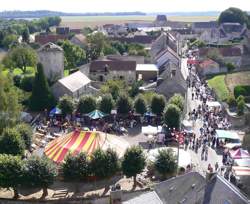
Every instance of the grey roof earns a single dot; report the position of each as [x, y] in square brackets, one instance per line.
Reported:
[187, 189]
[75, 81]
[219, 190]
[150, 197]
[205, 25]
[50, 47]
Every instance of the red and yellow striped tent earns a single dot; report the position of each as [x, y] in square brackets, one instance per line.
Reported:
[83, 141]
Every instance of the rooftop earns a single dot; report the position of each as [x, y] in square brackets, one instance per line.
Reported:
[146, 67]
[75, 81]
[113, 65]
[50, 47]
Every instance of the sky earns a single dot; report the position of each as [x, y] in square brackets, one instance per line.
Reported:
[149, 6]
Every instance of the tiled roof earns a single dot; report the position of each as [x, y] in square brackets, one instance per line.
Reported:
[46, 38]
[207, 63]
[101, 65]
[210, 24]
[50, 47]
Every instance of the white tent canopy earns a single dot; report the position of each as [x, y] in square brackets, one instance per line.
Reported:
[184, 156]
[226, 134]
[241, 171]
[213, 104]
[149, 130]
[242, 162]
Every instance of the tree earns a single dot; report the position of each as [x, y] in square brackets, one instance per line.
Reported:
[40, 172]
[123, 104]
[177, 100]
[9, 106]
[172, 116]
[74, 54]
[11, 172]
[114, 87]
[230, 67]
[134, 162]
[165, 162]
[26, 133]
[106, 103]
[26, 35]
[66, 104]
[140, 105]
[134, 90]
[11, 142]
[76, 167]
[240, 106]
[10, 40]
[86, 104]
[231, 101]
[108, 161]
[41, 97]
[96, 42]
[234, 15]
[21, 57]
[158, 104]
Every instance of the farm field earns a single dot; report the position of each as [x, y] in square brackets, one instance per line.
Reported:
[92, 21]
[224, 84]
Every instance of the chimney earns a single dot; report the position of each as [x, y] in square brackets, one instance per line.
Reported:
[116, 194]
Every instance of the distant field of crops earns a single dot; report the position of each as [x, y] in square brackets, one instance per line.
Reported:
[81, 21]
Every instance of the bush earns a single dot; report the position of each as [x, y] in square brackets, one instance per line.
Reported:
[240, 98]
[27, 83]
[241, 90]
[231, 101]
[177, 100]
[26, 133]
[240, 107]
[124, 104]
[172, 116]
[86, 104]
[158, 104]
[17, 80]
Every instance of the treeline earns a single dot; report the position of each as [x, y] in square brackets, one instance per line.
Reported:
[10, 30]
[45, 13]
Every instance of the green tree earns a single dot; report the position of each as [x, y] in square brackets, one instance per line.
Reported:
[86, 104]
[158, 104]
[96, 42]
[134, 90]
[230, 67]
[74, 55]
[108, 161]
[41, 97]
[124, 104]
[240, 107]
[26, 35]
[235, 15]
[40, 172]
[231, 101]
[114, 87]
[177, 100]
[166, 162]
[10, 40]
[134, 162]
[140, 105]
[25, 131]
[21, 57]
[11, 172]
[66, 104]
[9, 106]
[106, 103]
[11, 142]
[76, 167]
[172, 116]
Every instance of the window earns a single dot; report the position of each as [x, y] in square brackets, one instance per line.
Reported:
[173, 73]
[121, 77]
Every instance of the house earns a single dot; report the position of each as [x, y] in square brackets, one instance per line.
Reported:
[62, 30]
[171, 81]
[137, 58]
[162, 42]
[103, 70]
[230, 54]
[166, 56]
[79, 39]
[74, 85]
[161, 20]
[140, 39]
[46, 38]
[75, 30]
[52, 58]
[146, 72]
[207, 67]
[232, 31]
[199, 27]
[192, 188]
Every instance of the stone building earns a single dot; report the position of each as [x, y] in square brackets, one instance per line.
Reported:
[52, 58]
[103, 70]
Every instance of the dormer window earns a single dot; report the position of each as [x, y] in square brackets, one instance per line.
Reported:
[173, 73]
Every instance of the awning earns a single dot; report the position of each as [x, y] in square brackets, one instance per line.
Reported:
[240, 154]
[55, 111]
[192, 61]
[226, 134]
[149, 130]
[241, 171]
[83, 141]
[242, 162]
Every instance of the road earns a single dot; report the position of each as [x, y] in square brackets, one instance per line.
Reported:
[213, 157]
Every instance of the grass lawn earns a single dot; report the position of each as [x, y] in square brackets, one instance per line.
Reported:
[218, 84]
[29, 71]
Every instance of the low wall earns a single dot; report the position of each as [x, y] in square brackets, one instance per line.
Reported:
[235, 120]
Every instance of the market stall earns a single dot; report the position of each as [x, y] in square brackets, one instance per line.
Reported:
[240, 154]
[227, 137]
[83, 141]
